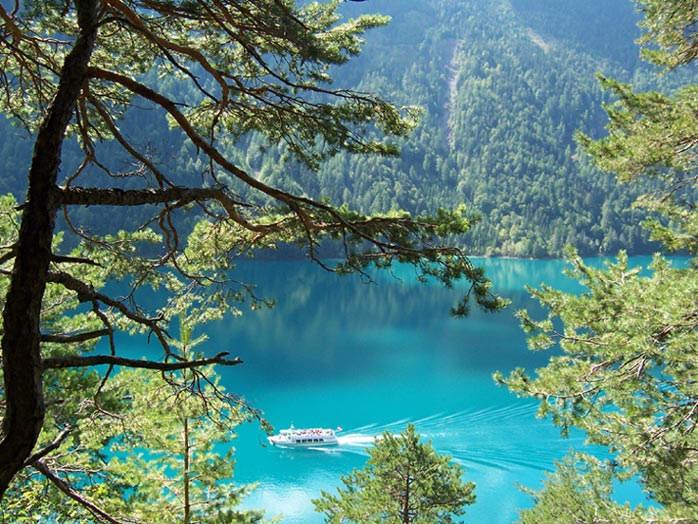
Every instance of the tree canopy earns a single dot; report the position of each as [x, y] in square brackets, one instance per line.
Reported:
[629, 342]
[501, 95]
[126, 439]
[405, 481]
[216, 70]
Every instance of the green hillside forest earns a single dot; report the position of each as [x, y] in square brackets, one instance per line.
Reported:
[176, 138]
[503, 87]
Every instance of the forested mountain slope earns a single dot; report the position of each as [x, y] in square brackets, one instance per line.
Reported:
[504, 86]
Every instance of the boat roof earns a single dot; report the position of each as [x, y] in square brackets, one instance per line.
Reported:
[292, 430]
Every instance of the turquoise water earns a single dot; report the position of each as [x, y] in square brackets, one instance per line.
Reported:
[371, 357]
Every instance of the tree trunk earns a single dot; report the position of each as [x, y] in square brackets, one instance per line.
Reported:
[406, 496]
[186, 480]
[21, 353]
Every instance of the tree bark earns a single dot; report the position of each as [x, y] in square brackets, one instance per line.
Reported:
[21, 352]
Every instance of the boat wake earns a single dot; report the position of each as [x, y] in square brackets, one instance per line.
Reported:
[501, 438]
[356, 440]
[504, 438]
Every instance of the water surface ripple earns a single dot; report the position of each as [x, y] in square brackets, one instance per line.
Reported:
[372, 358]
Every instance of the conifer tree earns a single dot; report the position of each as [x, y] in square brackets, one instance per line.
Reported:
[405, 481]
[131, 440]
[629, 341]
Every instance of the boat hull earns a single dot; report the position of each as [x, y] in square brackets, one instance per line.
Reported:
[304, 438]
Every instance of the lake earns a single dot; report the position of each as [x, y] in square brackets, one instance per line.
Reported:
[371, 357]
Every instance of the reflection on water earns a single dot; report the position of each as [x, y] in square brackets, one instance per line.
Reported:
[373, 357]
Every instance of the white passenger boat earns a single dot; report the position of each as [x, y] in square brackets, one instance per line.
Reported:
[311, 437]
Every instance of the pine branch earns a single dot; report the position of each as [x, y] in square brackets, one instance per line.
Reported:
[63, 486]
[97, 360]
[73, 260]
[48, 449]
[12, 253]
[86, 293]
[94, 196]
[75, 339]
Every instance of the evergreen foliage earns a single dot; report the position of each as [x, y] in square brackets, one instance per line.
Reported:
[502, 89]
[238, 120]
[404, 482]
[579, 491]
[626, 372]
[118, 440]
[219, 72]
